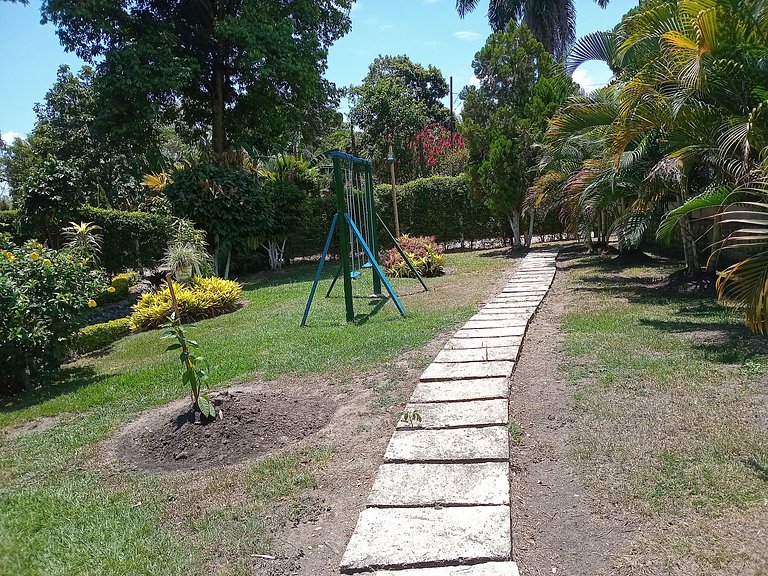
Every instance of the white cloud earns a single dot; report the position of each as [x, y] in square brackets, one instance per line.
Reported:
[10, 136]
[466, 35]
[583, 78]
[474, 81]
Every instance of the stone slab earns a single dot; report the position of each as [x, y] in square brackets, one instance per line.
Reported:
[526, 290]
[496, 322]
[457, 390]
[439, 415]
[489, 444]
[484, 569]
[479, 354]
[490, 332]
[509, 307]
[519, 298]
[495, 314]
[489, 369]
[420, 537]
[401, 485]
[486, 342]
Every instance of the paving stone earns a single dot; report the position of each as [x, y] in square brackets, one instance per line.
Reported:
[518, 298]
[523, 290]
[458, 414]
[496, 322]
[489, 369]
[486, 342]
[484, 569]
[456, 390]
[512, 307]
[489, 444]
[490, 332]
[404, 485]
[479, 354]
[496, 314]
[408, 537]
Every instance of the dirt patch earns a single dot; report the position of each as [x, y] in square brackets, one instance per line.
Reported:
[252, 423]
[556, 525]
[37, 425]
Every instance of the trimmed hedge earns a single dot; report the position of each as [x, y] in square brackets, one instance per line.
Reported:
[131, 239]
[98, 336]
[440, 206]
[119, 288]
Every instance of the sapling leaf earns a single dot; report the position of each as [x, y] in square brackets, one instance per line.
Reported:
[173, 347]
[206, 407]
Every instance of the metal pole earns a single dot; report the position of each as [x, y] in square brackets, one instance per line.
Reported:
[344, 246]
[374, 237]
[391, 160]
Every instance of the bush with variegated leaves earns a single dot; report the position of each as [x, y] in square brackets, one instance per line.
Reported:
[424, 252]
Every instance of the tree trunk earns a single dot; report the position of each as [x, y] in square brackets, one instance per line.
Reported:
[692, 265]
[515, 223]
[716, 236]
[219, 136]
[229, 261]
[529, 238]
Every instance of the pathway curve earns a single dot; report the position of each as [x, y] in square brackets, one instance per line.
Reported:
[439, 505]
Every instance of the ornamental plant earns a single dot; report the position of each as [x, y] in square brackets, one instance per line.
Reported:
[43, 295]
[424, 252]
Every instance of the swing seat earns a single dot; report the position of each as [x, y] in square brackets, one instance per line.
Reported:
[368, 265]
[355, 274]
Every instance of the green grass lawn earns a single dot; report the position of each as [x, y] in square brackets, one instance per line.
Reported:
[60, 514]
[670, 394]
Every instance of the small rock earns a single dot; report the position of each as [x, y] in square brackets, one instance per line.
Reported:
[181, 455]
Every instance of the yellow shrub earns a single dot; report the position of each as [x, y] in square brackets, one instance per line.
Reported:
[202, 298]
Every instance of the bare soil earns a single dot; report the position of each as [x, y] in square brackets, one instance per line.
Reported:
[556, 528]
[251, 423]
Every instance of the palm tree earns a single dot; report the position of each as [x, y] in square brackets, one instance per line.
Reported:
[686, 117]
[553, 22]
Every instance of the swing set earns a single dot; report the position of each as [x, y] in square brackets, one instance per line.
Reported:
[356, 224]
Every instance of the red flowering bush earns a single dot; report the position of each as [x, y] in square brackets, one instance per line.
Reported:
[432, 146]
[425, 254]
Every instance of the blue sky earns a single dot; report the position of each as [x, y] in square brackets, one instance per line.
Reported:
[428, 31]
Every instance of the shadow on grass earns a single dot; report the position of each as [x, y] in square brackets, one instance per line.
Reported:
[67, 380]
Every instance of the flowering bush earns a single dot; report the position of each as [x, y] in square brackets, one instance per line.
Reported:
[43, 294]
[434, 148]
[425, 254]
[118, 289]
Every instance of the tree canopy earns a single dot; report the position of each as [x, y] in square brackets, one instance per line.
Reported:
[248, 72]
[521, 87]
[396, 100]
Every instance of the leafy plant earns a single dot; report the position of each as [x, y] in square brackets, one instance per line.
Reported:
[84, 239]
[43, 295]
[201, 298]
[182, 260]
[119, 288]
[411, 417]
[193, 374]
[425, 254]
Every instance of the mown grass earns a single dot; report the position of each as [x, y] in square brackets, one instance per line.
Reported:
[670, 393]
[61, 512]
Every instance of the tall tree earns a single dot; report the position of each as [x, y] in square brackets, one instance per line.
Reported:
[396, 100]
[521, 87]
[553, 22]
[243, 72]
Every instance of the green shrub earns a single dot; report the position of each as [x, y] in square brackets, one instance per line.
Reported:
[442, 205]
[119, 289]
[132, 240]
[202, 298]
[98, 336]
[424, 253]
[9, 222]
[43, 294]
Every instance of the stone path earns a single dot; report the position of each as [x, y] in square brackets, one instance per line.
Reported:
[439, 505]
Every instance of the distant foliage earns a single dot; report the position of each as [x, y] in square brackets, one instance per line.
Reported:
[43, 295]
[424, 253]
[202, 298]
[442, 206]
[435, 151]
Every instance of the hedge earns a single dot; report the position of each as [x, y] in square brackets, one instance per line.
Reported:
[98, 336]
[440, 206]
[131, 239]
